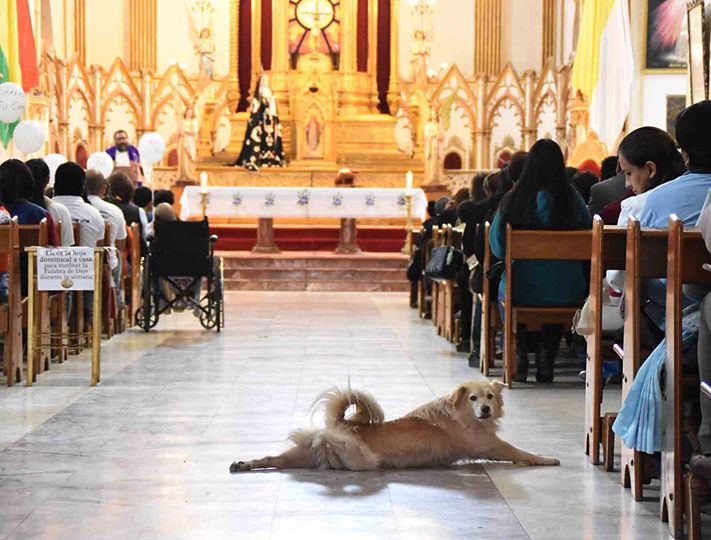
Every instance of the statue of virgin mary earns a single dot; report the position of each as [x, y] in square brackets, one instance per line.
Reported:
[262, 146]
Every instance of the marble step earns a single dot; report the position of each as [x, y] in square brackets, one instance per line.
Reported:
[312, 274]
[314, 264]
[320, 285]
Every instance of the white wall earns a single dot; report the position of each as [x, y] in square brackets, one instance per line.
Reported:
[453, 36]
[106, 31]
[175, 36]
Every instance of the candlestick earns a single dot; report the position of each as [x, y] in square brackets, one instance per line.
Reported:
[407, 249]
[203, 182]
[203, 203]
[408, 183]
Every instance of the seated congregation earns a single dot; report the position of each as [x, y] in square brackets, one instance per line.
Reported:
[538, 254]
[80, 208]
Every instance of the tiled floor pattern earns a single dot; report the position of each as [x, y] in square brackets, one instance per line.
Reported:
[146, 454]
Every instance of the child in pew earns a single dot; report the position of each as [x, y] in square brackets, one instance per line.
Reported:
[5, 219]
[542, 199]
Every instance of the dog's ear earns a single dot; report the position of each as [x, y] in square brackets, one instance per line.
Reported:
[456, 397]
[498, 386]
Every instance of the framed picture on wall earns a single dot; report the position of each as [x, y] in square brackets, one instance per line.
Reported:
[698, 74]
[675, 104]
[666, 33]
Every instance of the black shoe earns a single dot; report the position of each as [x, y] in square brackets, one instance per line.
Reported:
[464, 346]
[521, 364]
[473, 360]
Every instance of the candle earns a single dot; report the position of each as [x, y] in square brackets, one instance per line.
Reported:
[203, 182]
[408, 182]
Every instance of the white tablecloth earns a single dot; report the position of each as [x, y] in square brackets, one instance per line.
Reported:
[302, 202]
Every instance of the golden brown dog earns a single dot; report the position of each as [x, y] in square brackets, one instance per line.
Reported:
[460, 426]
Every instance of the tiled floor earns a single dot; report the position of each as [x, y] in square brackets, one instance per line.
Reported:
[146, 454]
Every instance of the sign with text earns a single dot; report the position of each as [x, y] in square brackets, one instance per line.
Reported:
[65, 269]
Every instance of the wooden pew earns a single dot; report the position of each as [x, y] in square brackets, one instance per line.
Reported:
[646, 257]
[133, 296]
[414, 236]
[59, 321]
[444, 291]
[438, 235]
[11, 313]
[687, 254]
[108, 305]
[537, 245]
[37, 235]
[608, 253]
[422, 284]
[490, 317]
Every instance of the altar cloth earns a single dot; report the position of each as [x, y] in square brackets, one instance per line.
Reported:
[270, 202]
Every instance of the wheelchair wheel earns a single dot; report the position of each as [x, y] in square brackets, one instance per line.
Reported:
[147, 313]
[209, 317]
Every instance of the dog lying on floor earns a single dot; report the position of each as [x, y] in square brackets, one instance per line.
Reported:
[460, 426]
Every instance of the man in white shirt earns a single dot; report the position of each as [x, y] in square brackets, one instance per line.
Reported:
[69, 183]
[96, 188]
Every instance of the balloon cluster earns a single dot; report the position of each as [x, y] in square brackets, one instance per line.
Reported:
[29, 135]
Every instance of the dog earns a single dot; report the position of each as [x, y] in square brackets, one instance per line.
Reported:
[456, 427]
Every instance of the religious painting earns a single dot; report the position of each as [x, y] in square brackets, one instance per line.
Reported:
[698, 76]
[675, 104]
[313, 139]
[666, 35]
[314, 26]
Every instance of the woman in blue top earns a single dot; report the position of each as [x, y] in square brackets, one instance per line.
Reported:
[542, 199]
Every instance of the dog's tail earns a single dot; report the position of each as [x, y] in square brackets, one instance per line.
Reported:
[337, 401]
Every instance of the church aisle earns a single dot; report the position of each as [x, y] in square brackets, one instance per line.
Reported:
[146, 454]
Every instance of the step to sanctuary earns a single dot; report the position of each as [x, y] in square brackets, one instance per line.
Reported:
[315, 271]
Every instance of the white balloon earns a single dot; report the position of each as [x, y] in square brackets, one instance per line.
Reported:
[29, 136]
[151, 147]
[12, 102]
[53, 161]
[102, 162]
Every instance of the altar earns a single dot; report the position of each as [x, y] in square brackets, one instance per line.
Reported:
[347, 204]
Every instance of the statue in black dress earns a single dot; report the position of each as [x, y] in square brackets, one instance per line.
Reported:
[262, 146]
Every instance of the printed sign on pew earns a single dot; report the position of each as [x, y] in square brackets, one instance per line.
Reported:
[65, 269]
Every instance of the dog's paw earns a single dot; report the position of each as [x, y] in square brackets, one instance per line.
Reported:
[240, 466]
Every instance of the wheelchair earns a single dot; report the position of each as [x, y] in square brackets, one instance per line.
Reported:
[180, 254]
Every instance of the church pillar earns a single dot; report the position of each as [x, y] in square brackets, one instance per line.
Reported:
[561, 108]
[373, 52]
[394, 86]
[79, 30]
[354, 88]
[145, 124]
[530, 132]
[256, 40]
[62, 116]
[96, 126]
[280, 57]
[487, 37]
[550, 11]
[482, 134]
[142, 34]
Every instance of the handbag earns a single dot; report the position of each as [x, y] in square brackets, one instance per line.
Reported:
[444, 263]
[583, 323]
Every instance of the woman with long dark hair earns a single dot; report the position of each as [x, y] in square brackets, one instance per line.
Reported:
[542, 199]
[648, 158]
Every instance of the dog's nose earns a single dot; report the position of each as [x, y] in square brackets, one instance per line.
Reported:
[485, 408]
